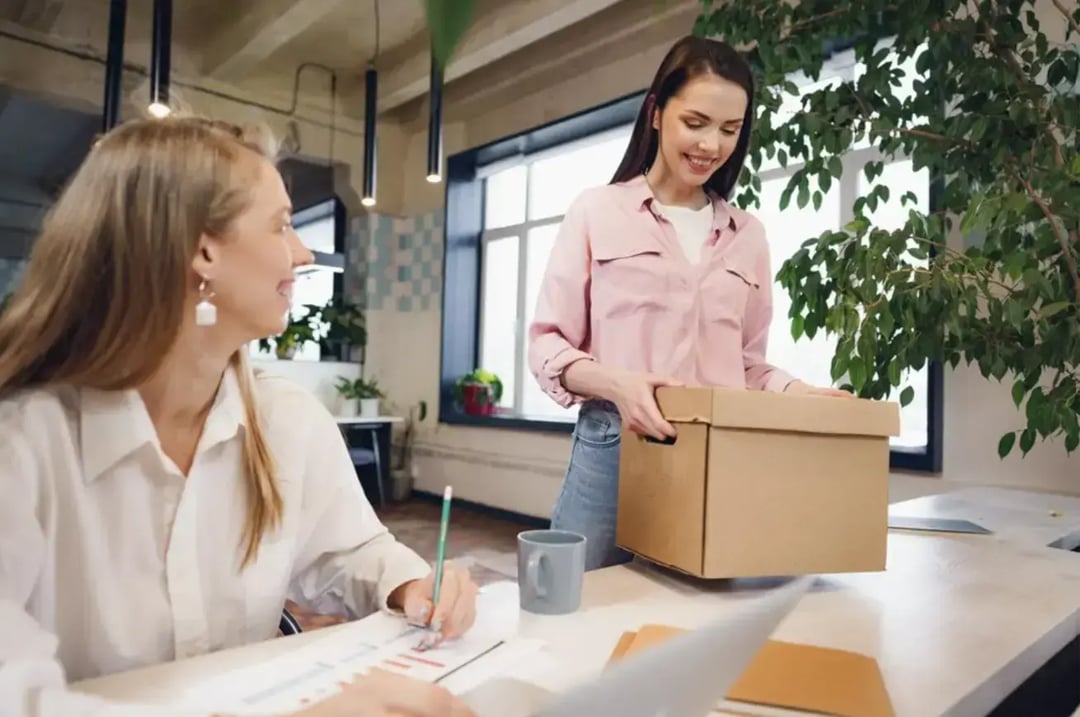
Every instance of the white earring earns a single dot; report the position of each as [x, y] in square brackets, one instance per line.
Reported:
[205, 312]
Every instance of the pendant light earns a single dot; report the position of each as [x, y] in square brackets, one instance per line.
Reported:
[161, 59]
[114, 65]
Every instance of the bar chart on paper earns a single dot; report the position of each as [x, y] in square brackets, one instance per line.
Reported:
[319, 669]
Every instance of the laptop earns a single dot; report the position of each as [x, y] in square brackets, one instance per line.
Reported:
[684, 676]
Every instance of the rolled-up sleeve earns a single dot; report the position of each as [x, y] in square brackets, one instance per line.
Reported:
[760, 374]
[560, 327]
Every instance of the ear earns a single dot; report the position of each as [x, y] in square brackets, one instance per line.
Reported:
[656, 118]
[207, 257]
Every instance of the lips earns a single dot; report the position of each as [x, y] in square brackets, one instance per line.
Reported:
[285, 289]
[700, 165]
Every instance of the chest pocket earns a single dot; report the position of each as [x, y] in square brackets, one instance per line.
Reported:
[727, 291]
[629, 277]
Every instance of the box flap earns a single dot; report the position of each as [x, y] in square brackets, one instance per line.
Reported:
[766, 410]
[785, 674]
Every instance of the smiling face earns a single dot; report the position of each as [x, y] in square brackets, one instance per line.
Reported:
[251, 268]
[699, 128]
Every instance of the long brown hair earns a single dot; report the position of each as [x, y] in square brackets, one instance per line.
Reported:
[111, 270]
[688, 58]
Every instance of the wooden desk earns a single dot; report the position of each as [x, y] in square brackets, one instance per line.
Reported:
[956, 622]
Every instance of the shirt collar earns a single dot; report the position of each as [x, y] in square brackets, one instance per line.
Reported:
[115, 424]
[639, 196]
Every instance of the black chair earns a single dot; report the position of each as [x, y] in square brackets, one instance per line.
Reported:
[288, 624]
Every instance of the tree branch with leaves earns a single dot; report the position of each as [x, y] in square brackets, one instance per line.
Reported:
[993, 116]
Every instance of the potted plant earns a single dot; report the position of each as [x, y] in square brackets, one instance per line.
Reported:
[992, 116]
[285, 345]
[478, 392]
[402, 473]
[361, 396]
[339, 328]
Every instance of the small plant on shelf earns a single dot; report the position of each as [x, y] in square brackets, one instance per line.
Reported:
[478, 392]
[361, 396]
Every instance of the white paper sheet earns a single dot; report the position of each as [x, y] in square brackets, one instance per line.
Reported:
[315, 672]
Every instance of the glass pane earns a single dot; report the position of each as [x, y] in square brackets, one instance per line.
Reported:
[318, 235]
[786, 230]
[535, 402]
[900, 177]
[556, 180]
[504, 198]
[498, 321]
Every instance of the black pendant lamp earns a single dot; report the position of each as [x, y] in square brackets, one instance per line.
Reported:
[371, 90]
[371, 94]
[161, 59]
[114, 65]
[434, 151]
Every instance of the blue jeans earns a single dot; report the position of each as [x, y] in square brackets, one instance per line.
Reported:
[589, 499]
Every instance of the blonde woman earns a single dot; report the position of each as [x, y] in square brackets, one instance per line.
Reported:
[158, 499]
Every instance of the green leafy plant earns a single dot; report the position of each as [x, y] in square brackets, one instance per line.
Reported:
[339, 326]
[297, 332]
[994, 118]
[447, 21]
[358, 388]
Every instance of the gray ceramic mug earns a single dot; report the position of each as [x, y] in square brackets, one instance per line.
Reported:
[551, 567]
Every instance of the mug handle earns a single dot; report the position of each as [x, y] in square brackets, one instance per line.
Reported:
[532, 574]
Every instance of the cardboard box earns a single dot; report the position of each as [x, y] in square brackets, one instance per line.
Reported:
[817, 680]
[759, 484]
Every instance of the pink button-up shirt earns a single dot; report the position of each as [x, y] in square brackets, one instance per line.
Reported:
[619, 290]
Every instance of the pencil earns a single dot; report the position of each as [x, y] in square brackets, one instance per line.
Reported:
[440, 555]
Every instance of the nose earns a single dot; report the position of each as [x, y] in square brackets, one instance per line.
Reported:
[301, 255]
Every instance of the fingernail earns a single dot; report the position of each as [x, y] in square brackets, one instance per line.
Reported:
[425, 610]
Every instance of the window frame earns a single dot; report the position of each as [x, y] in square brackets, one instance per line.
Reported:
[463, 276]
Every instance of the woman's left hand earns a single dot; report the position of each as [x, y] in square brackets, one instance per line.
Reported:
[804, 389]
[456, 611]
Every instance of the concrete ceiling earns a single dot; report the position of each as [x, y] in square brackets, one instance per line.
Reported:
[253, 49]
[260, 43]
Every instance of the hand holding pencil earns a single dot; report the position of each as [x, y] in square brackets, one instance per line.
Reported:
[447, 589]
[456, 609]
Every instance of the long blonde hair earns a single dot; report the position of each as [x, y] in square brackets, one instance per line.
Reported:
[111, 270]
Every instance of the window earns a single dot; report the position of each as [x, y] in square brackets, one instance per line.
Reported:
[787, 229]
[524, 203]
[321, 229]
[505, 202]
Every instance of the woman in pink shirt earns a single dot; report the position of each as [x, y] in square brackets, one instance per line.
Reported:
[656, 280]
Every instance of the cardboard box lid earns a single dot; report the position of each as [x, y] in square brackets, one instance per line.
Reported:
[767, 410]
[786, 674]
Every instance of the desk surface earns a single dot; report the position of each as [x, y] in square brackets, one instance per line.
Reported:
[357, 420]
[1022, 517]
[956, 622]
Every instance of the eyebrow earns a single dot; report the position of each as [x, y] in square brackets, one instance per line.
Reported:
[707, 118]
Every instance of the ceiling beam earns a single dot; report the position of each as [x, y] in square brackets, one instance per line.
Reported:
[638, 26]
[258, 31]
[508, 27]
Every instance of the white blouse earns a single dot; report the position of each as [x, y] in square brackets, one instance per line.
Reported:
[110, 559]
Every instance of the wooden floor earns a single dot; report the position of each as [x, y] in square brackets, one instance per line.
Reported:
[484, 543]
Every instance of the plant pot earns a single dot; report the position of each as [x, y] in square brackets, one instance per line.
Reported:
[350, 407]
[401, 485]
[369, 407]
[286, 351]
[477, 400]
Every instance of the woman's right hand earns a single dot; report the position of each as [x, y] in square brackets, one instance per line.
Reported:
[634, 394]
[385, 694]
